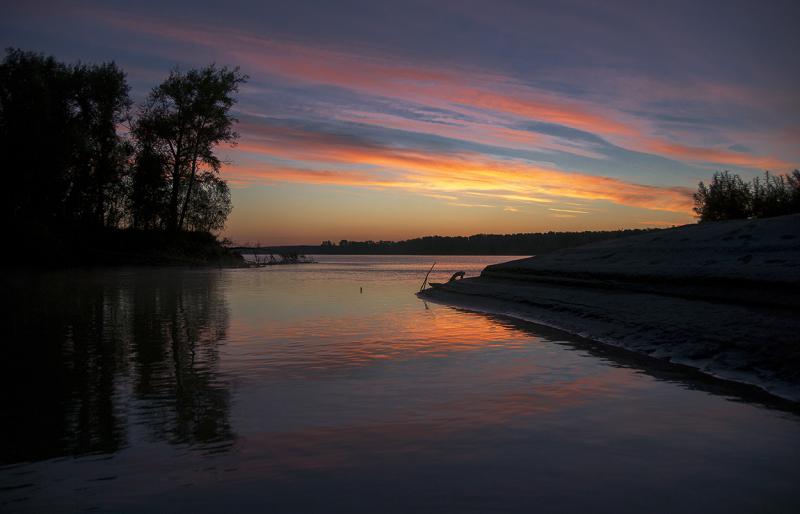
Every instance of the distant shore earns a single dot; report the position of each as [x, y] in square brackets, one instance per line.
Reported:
[533, 243]
[720, 297]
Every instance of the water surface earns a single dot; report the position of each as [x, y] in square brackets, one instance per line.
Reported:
[331, 388]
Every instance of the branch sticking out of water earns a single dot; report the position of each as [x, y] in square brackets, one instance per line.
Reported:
[424, 282]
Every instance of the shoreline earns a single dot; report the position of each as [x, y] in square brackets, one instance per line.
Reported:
[718, 297]
[651, 342]
[73, 248]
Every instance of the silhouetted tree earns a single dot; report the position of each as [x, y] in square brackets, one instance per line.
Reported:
[73, 175]
[210, 205]
[729, 197]
[58, 138]
[725, 197]
[102, 102]
[793, 183]
[771, 196]
[149, 190]
[37, 136]
[184, 119]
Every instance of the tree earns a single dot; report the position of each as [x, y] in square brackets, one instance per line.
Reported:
[210, 205]
[149, 190]
[102, 102]
[729, 197]
[793, 184]
[183, 120]
[726, 197]
[58, 138]
[37, 136]
[771, 196]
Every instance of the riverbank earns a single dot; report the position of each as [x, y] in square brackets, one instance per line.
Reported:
[38, 247]
[720, 297]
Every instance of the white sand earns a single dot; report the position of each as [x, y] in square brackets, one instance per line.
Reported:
[721, 297]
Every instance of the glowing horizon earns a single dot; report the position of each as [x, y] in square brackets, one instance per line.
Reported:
[390, 125]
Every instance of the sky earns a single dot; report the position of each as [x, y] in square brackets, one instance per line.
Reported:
[389, 120]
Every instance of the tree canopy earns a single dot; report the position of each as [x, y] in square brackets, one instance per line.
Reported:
[58, 138]
[69, 162]
[182, 121]
[727, 196]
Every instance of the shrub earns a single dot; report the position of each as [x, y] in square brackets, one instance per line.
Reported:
[727, 196]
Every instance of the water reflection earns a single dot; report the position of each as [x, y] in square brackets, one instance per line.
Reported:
[290, 390]
[91, 352]
[684, 376]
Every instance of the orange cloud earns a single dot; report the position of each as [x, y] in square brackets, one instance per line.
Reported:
[440, 173]
[571, 211]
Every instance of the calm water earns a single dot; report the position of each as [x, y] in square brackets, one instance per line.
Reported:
[286, 389]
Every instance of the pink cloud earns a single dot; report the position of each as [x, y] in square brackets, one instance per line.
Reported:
[454, 89]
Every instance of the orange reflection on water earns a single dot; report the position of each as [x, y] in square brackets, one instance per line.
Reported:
[421, 380]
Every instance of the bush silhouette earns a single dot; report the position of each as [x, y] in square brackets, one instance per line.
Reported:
[728, 197]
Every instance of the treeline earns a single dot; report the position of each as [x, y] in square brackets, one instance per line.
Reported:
[79, 157]
[479, 244]
[729, 197]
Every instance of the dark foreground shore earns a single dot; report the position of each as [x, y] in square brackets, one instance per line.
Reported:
[720, 297]
[41, 248]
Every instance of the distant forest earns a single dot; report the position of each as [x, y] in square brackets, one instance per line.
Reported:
[480, 244]
[84, 167]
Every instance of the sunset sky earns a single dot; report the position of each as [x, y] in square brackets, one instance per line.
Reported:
[389, 120]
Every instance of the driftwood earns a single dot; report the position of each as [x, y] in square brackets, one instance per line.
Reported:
[458, 275]
[425, 282]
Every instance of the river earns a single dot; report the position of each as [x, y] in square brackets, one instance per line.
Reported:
[331, 387]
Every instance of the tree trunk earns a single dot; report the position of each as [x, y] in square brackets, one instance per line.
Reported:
[101, 174]
[192, 176]
[188, 193]
[173, 200]
[176, 186]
